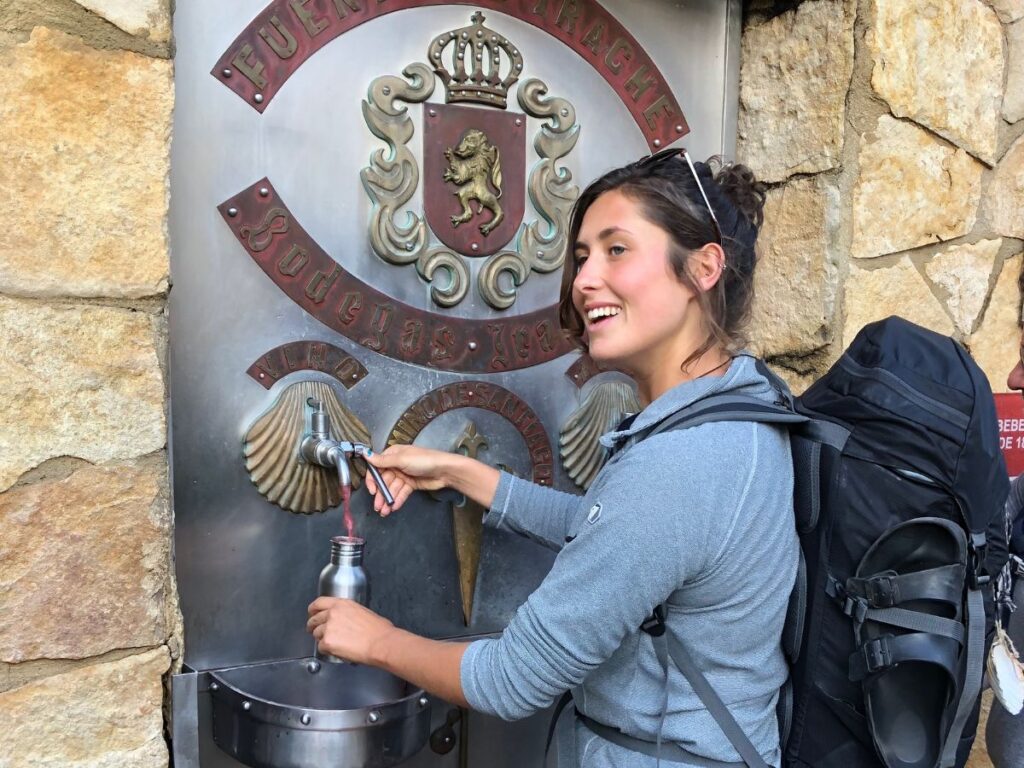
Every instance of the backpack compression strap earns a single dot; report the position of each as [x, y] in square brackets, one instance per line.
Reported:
[728, 408]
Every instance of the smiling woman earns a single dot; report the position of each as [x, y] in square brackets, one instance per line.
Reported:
[658, 285]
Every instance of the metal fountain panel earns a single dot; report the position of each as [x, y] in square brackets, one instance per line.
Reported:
[369, 204]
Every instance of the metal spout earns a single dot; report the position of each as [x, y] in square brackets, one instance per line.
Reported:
[318, 448]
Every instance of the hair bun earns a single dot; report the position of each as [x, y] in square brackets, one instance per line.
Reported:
[738, 183]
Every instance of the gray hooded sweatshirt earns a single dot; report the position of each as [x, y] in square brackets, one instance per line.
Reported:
[700, 519]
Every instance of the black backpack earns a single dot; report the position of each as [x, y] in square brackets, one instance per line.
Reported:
[899, 494]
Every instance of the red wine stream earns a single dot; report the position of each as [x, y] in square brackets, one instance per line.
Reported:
[346, 505]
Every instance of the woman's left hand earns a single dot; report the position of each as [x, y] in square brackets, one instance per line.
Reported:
[345, 629]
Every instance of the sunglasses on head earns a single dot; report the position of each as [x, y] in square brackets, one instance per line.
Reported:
[667, 154]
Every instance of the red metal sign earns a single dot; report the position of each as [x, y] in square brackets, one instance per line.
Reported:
[287, 32]
[308, 275]
[307, 356]
[1010, 412]
[474, 176]
[490, 397]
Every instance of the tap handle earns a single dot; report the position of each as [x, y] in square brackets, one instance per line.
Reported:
[380, 482]
[362, 451]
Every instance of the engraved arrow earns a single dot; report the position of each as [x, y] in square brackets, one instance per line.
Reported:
[467, 525]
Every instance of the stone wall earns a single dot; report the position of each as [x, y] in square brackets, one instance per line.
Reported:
[89, 625]
[891, 134]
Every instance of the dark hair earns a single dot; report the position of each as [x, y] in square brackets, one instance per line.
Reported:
[669, 198]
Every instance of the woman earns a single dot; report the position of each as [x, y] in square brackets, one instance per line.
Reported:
[658, 284]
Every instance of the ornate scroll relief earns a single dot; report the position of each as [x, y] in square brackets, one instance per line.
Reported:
[582, 453]
[401, 236]
[271, 450]
[551, 192]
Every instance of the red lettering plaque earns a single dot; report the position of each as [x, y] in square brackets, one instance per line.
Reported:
[287, 32]
[312, 279]
[1010, 412]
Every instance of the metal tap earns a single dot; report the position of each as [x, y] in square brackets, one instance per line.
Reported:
[318, 448]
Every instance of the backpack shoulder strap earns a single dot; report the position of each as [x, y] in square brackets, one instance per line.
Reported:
[744, 408]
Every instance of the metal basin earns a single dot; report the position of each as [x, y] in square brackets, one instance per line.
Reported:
[282, 715]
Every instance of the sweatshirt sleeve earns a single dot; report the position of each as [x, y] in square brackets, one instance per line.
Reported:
[539, 513]
[623, 560]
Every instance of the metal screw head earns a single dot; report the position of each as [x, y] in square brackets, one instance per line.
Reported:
[258, 98]
[433, 113]
[305, 719]
[226, 72]
[386, 90]
[475, 246]
[313, 666]
[232, 211]
[472, 345]
[246, 705]
[564, 112]
[657, 142]
[264, 191]
[214, 687]
[373, 717]
[679, 129]
[519, 121]
[423, 701]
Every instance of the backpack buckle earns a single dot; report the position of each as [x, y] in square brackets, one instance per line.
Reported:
[876, 655]
[881, 591]
[654, 625]
[856, 608]
[976, 574]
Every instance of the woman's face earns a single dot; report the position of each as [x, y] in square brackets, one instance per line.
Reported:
[636, 313]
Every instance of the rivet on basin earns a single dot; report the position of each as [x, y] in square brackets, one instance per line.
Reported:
[214, 687]
[423, 701]
[374, 716]
[305, 719]
[246, 705]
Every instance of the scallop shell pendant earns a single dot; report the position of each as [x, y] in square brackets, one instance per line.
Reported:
[1005, 673]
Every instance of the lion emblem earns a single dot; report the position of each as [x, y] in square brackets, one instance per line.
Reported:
[471, 164]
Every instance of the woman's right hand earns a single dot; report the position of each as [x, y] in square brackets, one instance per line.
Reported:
[404, 469]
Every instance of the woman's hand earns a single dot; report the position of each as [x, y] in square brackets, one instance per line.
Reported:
[407, 468]
[346, 629]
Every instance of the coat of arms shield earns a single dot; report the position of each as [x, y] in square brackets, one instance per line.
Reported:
[474, 167]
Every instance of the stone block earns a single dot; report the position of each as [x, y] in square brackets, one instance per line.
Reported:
[1004, 195]
[100, 716]
[912, 189]
[996, 343]
[1008, 10]
[940, 63]
[794, 76]
[1013, 99]
[84, 568]
[874, 294]
[76, 381]
[149, 18]
[964, 273]
[794, 284]
[84, 182]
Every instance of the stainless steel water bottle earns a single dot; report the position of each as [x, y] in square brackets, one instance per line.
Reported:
[344, 576]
